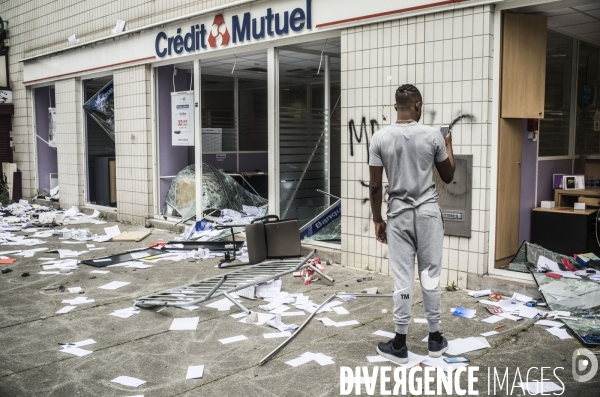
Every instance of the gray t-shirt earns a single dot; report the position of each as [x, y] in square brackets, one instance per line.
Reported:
[408, 152]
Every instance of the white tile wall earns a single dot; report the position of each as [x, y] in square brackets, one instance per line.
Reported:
[133, 143]
[69, 142]
[448, 57]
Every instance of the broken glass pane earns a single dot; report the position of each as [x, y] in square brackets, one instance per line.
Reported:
[327, 226]
[528, 255]
[580, 297]
[100, 107]
[220, 191]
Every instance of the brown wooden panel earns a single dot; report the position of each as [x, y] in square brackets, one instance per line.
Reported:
[523, 66]
[510, 138]
[112, 178]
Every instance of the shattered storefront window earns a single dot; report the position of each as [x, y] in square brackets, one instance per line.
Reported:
[578, 296]
[220, 191]
[101, 108]
[574, 293]
[528, 255]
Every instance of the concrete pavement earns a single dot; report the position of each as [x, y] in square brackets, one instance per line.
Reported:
[143, 347]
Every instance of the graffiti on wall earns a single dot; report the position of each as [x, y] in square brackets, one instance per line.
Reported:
[363, 133]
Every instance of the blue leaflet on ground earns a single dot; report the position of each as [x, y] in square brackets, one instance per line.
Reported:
[464, 312]
[322, 220]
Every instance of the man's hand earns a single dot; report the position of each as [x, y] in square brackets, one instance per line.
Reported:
[446, 167]
[448, 139]
[380, 232]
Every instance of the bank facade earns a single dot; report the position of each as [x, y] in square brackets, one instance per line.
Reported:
[288, 93]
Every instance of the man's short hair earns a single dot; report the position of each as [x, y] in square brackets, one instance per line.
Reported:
[407, 95]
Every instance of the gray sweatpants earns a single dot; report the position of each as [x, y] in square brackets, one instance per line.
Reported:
[417, 230]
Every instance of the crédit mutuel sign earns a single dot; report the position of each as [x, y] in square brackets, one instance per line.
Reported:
[240, 28]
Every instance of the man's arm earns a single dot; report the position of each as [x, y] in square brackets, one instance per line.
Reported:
[446, 167]
[376, 197]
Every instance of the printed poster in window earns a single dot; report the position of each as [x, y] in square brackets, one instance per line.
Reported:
[52, 127]
[182, 118]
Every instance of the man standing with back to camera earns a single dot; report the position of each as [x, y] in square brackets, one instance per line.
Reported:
[408, 151]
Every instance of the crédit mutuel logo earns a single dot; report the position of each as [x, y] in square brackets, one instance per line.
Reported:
[239, 29]
[465, 381]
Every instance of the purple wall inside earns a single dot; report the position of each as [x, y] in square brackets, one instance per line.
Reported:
[527, 199]
[46, 156]
[228, 164]
[546, 169]
[250, 162]
[172, 158]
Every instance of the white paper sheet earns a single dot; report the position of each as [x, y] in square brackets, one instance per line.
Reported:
[76, 351]
[559, 332]
[298, 361]
[78, 301]
[545, 263]
[100, 271]
[112, 231]
[529, 312]
[294, 313]
[510, 317]
[543, 388]
[340, 310]
[128, 381]
[320, 358]
[184, 324]
[84, 343]
[114, 285]
[522, 298]
[232, 339]
[74, 290]
[549, 323]
[413, 359]
[457, 347]
[377, 359]
[195, 372]
[479, 294]
[65, 309]
[385, 333]
[486, 334]
[262, 319]
[126, 313]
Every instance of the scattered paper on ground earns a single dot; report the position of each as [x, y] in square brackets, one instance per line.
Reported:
[128, 381]
[184, 324]
[114, 285]
[65, 309]
[232, 339]
[195, 372]
[385, 333]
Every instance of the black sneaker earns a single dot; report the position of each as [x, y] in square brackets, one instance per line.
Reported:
[387, 350]
[437, 349]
